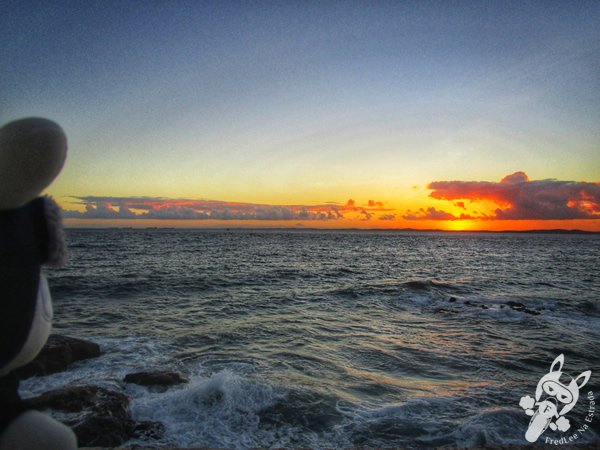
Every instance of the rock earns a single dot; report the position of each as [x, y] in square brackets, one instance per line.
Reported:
[56, 356]
[452, 299]
[104, 431]
[159, 378]
[518, 306]
[445, 310]
[476, 305]
[98, 416]
[94, 399]
[148, 429]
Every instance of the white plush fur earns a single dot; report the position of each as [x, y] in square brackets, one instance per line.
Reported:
[33, 430]
[32, 153]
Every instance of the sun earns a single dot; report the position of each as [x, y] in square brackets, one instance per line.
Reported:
[459, 225]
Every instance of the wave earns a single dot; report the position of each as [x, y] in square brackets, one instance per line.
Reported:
[428, 285]
[119, 357]
[219, 411]
[230, 405]
[360, 289]
[226, 410]
[505, 426]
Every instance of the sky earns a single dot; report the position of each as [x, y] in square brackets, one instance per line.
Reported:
[449, 115]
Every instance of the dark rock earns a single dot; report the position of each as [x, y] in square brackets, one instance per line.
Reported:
[56, 356]
[155, 378]
[148, 429]
[445, 310]
[304, 410]
[78, 398]
[98, 416]
[518, 306]
[452, 299]
[476, 305]
[103, 431]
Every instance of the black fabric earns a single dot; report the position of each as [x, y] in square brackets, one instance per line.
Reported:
[11, 404]
[23, 249]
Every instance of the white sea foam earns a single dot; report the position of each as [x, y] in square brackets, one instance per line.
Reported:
[119, 357]
[499, 426]
[220, 410]
[503, 426]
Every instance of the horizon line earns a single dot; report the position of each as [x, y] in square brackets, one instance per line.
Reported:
[385, 230]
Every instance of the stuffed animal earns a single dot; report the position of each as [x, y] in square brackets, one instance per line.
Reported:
[32, 153]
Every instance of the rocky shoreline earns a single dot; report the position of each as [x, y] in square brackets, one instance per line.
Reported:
[100, 417]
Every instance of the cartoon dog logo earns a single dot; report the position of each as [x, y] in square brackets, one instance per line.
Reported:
[551, 395]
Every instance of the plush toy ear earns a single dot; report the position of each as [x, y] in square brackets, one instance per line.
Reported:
[32, 153]
[584, 376]
[560, 360]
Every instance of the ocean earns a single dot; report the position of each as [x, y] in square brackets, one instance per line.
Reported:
[308, 338]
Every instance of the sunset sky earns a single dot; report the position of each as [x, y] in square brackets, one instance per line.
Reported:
[450, 115]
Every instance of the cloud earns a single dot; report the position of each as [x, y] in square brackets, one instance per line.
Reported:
[366, 215]
[102, 210]
[189, 209]
[375, 204]
[433, 214]
[517, 198]
[387, 217]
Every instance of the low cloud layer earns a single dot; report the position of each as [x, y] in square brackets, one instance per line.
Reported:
[434, 214]
[187, 209]
[517, 198]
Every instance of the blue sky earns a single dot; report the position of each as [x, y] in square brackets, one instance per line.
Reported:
[304, 102]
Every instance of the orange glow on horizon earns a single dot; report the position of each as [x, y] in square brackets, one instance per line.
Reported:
[497, 225]
[515, 203]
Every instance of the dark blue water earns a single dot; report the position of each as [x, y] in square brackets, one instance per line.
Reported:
[330, 338]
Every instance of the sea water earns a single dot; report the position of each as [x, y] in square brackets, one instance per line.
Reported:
[312, 338]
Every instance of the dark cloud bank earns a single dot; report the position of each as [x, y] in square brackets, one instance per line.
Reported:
[518, 198]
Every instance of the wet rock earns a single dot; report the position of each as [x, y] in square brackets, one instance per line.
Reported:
[445, 310]
[98, 416]
[476, 305]
[148, 429]
[104, 431]
[518, 306]
[304, 410]
[92, 399]
[56, 356]
[159, 378]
